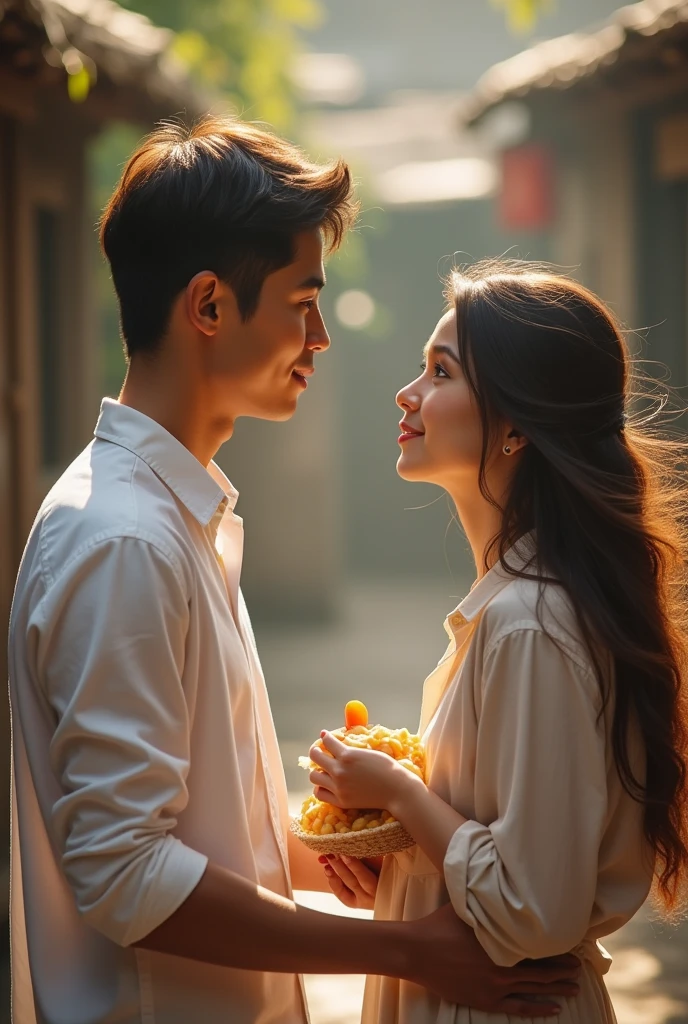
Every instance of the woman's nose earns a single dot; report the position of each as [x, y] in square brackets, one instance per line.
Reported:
[408, 400]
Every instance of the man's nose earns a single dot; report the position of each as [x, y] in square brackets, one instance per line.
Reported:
[317, 338]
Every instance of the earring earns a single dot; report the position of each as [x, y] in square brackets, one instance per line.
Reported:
[507, 449]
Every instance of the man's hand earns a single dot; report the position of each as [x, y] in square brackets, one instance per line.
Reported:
[451, 962]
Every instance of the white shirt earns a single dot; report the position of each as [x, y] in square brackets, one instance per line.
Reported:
[552, 856]
[143, 743]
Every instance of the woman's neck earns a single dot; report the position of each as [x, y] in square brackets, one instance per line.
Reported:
[481, 523]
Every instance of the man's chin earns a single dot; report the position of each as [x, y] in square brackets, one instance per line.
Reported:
[275, 413]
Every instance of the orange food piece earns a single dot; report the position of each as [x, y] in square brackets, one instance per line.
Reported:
[355, 713]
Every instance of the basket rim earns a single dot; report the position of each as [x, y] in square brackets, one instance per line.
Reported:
[386, 829]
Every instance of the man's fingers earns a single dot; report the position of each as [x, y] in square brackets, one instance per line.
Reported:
[539, 971]
[554, 963]
[515, 1007]
[546, 988]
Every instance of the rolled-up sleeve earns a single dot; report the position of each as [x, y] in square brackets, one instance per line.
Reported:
[111, 636]
[524, 879]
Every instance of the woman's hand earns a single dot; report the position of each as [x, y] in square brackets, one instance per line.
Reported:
[352, 881]
[351, 777]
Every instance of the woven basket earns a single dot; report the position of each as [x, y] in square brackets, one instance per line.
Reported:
[369, 842]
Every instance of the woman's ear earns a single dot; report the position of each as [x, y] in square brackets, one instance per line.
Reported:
[514, 442]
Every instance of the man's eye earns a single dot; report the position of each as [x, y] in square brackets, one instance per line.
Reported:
[308, 303]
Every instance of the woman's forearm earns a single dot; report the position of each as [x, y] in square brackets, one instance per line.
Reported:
[426, 816]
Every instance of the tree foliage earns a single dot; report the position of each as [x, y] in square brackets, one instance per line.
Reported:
[241, 49]
[522, 15]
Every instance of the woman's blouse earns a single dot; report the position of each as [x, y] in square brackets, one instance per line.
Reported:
[552, 856]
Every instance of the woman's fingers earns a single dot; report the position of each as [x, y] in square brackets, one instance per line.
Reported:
[374, 863]
[362, 875]
[335, 746]
[319, 757]
[318, 777]
[343, 894]
[326, 796]
[355, 877]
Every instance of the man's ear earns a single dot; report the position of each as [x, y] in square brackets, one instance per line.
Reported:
[201, 300]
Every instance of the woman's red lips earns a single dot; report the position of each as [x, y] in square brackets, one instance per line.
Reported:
[408, 432]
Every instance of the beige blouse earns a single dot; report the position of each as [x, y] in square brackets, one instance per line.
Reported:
[552, 857]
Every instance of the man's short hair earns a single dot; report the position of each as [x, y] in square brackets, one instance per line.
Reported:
[224, 196]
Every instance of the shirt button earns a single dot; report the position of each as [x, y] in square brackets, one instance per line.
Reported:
[457, 620]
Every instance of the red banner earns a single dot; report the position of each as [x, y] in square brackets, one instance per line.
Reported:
[527, 197]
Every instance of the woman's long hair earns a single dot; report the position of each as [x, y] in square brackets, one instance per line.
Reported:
[605, 494]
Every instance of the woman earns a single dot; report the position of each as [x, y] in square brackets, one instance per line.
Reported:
[555, 724]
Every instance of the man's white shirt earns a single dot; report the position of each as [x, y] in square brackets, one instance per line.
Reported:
[143, 742]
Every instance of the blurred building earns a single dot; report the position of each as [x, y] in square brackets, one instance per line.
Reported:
[66, 68]
[594, 154]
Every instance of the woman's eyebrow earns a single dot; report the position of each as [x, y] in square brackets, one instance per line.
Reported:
[444, 350]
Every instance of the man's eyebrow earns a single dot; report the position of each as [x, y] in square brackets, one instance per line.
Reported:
[443, 350]
[312, 282]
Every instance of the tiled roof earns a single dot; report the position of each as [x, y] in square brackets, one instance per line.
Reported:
[563, 62]
[125, 47]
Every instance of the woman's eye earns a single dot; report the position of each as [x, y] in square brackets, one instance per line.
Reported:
[308, 303]
[438, 370]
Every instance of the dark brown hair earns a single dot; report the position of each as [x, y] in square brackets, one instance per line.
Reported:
[608, 501]
[224, 196]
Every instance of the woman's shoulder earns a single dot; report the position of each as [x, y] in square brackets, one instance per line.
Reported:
[525, 604]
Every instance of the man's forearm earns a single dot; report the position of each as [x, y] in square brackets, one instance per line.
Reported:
[231, 922]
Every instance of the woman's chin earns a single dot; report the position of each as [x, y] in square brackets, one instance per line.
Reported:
[410, 469]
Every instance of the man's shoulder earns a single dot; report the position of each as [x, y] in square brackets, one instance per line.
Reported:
[107, 493]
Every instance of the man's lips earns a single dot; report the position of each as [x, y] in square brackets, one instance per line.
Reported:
[408, 432]
[301, 373]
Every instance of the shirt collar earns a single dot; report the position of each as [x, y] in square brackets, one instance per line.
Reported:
[203, 491]
[517, 557]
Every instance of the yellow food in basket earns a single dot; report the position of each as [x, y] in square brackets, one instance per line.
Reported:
[325, 819]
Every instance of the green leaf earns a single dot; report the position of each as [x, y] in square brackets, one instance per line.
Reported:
[522, 15]
[78, 85]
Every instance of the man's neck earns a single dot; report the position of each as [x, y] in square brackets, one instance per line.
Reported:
[175, 403]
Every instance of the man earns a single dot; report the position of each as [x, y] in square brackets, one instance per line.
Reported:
[152, 864]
